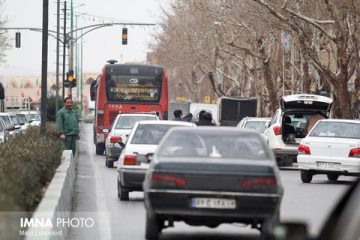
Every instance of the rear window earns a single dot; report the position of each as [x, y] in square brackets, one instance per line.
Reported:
[258, 126]
[128, 122]
[214, 145]
[336, 130]
[150, 133]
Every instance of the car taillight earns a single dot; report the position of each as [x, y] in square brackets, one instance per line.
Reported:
[355, 152]
[303, 149]
[168, 180]
[257, 183]
[277, 130]
[115, 139]
[130, 160]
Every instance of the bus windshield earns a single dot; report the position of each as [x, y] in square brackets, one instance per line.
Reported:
[134, 85]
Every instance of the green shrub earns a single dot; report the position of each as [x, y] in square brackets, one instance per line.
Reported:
[51, 107]
[28, 162]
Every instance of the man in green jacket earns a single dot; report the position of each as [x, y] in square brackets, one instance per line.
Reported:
[68, 125]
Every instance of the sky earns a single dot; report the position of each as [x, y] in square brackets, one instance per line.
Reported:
[98, 46]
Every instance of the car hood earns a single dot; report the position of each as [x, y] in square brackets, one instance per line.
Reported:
[306, 101]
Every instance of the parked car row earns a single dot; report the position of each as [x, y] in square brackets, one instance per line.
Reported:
[13, 123]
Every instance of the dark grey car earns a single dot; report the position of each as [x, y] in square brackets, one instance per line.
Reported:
[208, 176]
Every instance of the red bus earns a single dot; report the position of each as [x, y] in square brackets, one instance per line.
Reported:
[126, 88]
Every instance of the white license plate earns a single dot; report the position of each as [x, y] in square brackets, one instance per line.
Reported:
[328, 165]
[219, 203]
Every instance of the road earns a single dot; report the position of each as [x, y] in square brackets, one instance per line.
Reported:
[95, 197]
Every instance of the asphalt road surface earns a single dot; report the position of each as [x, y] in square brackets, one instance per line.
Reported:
[96, 198]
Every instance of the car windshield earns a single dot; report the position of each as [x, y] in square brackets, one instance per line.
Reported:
[6, 120]
[150, 133]
[258, 126]
[232, 145]
[22, 118]
[336, 130]
[127, 122]
[35, 117]
[14, 120]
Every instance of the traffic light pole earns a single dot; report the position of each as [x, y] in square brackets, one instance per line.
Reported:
[64, 52]
[44, 66]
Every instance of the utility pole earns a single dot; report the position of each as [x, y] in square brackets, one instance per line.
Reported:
[64, 52]
[57, 54]
[44, 65]
[71, 41]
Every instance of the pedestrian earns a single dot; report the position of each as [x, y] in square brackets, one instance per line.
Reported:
[178, 115]
[206, 120]
[200, 116]
[68, 126]
[188, 117]
[312, 120]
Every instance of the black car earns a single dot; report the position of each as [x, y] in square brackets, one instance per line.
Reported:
[208, 176]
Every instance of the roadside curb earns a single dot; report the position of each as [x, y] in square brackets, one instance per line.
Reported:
[57, 201]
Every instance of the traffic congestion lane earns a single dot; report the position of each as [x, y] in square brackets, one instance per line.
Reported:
[96, 191]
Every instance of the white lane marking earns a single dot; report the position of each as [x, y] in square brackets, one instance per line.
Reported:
[103, 215]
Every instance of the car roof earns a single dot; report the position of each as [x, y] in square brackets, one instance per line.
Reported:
[341, 120]
[166, 122]
[137, 114]
[257, 119]
[215, 129]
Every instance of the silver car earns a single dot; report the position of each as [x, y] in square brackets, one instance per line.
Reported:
[119, 133]
[4, 132]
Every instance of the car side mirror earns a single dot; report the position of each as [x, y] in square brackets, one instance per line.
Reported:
[149, 157]
[290, 231]
[11, 128]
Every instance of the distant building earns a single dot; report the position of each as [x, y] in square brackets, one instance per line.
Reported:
[19, 89]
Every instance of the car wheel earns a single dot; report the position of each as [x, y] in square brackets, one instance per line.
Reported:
[109, 163]
[267, 228]
[122, 193]
[153, 227]
[332, 176]
[306, 176]
[100, 148]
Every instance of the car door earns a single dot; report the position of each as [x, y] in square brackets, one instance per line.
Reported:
[269, 132]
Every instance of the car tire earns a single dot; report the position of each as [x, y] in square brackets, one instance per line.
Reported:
[306, 176]
[122, 193]
[152, 227]
[100, 148]
[109, 163]
[332, 177]
[266, 229]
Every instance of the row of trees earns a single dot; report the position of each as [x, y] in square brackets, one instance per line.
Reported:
[263, 48]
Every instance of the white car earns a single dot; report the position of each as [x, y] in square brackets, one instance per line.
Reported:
[12, 122]
[256, 123]
[286, 128]
[332, 147]
[134, 159]
[119, 133]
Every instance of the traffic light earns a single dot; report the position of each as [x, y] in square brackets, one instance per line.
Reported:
[70, 80]
[124, 36]
[17, 39]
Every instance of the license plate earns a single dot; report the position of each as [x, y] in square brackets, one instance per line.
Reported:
[328, 165]
[218, 203]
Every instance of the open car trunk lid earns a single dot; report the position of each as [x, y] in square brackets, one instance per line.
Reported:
[306, 101]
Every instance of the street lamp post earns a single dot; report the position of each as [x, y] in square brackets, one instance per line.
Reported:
[45, 28]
